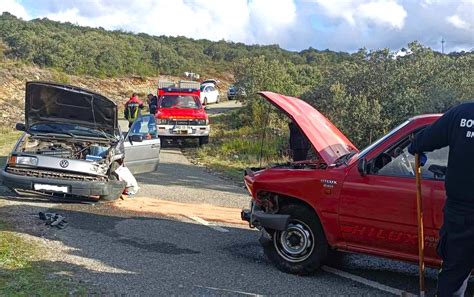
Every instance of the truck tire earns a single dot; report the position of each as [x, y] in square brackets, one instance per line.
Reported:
[203, 140]
[302, 247]
[112, 176]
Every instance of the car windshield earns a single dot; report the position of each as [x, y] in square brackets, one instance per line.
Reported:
[178, 101]
[68, 129]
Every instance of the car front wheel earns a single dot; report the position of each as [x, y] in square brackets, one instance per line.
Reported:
[302, 247]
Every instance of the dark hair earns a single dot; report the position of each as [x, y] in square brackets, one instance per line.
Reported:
[150, 95]
[134, 94]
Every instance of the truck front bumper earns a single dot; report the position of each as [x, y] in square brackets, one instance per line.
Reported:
[183, 131]
[257, 218]
[71, 187]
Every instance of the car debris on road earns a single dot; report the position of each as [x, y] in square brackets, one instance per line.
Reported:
[53, 219]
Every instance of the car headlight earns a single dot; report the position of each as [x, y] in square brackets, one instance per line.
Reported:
[23, 160]
[202, 122]
[163, 121]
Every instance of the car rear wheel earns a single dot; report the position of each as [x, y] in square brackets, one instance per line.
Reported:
[302, 247]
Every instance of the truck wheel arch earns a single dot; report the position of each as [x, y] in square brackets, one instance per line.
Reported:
[287, 200]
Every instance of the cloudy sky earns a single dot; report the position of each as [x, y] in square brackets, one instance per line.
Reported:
[341, 25]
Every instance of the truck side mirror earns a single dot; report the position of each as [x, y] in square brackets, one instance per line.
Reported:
[362, 166]
[20, 127]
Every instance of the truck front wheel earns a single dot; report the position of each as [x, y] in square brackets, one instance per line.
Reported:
[302, 247]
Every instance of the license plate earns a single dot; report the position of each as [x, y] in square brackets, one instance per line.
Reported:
[52, 188]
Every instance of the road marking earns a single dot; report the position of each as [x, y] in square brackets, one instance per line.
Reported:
[208, 224]
[231, 291]
[362, 280]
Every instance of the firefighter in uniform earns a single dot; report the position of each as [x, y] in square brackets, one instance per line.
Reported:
[133, 109]
[456, 246]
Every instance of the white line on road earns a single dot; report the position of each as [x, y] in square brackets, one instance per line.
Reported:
[231, 291]
[363, 281]
[208, 224]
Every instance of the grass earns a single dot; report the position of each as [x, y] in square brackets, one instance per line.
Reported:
[8, 138]
[231, 148]
[22, 273]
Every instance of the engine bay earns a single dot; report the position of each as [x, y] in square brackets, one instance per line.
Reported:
[65, 149]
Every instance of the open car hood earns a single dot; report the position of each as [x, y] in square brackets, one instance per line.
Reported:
[47, 102]
[326, 139]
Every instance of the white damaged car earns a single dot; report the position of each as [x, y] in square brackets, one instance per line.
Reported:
[72, 144]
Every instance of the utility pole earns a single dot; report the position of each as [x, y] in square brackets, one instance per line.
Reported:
[442, 45]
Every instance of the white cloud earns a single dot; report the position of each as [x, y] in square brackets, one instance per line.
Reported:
[254, 21]
[357, 12]
[457, 22]
[13, 7]
[293, 24]
[383, 12]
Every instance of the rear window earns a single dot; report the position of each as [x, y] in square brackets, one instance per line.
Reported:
[179, 101]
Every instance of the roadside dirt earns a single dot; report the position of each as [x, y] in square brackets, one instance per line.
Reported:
[151, 206]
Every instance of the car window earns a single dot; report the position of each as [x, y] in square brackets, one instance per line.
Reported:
[144, 126]
[396, 161]
[211, 88]
[178, 101]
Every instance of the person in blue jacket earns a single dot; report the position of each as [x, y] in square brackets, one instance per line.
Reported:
[456, 246]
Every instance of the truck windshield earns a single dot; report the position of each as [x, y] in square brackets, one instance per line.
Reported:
[178, 101]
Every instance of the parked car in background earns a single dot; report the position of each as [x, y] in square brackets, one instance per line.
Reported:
[181, 115]
[209, 94]
[72, 144]
[235, 93]
[231, 92]
[346, 199]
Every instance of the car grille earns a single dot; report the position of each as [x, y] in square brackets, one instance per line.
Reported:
[53, 174]
[184, 122]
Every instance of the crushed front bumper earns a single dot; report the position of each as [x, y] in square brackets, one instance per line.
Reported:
[183, 131]
[259, 219]
[71, 187]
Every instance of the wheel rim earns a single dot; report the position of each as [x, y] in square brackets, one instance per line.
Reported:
[296, 243]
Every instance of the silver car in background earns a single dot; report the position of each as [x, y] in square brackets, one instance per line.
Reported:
[72, 144]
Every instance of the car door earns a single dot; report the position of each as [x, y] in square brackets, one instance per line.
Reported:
[378, 211]
[213, 93]
[142, 146]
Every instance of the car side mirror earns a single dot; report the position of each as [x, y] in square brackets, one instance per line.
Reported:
[20, 127]
[135, 138]
[362, 166]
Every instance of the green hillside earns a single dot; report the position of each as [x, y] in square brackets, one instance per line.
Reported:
[83, 50]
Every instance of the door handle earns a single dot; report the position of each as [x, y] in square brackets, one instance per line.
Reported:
[155, 146]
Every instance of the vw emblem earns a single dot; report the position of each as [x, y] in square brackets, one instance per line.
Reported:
[64, 163]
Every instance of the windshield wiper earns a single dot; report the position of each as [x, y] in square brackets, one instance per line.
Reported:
[343, 159]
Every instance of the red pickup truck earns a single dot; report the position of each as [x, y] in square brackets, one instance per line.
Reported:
[347, 200]
[180, 114]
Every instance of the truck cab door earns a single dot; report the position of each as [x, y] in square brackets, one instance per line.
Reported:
[142, 146]
[378, 210]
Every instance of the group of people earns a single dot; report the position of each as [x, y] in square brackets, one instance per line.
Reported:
[134, 107]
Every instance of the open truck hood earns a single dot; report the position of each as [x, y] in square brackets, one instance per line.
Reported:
[329, 142]
[47, 102]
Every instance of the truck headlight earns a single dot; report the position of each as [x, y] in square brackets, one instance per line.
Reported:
[23, 160]
[162, 121]
[202, 122]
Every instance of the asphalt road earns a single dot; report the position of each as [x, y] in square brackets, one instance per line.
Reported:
[118, 251]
